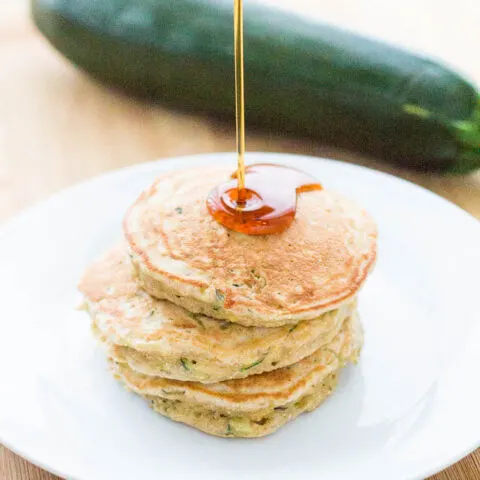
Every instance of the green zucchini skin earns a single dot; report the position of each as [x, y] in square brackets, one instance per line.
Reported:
[301, 78]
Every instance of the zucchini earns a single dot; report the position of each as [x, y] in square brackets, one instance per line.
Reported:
[254, 364]
[186, 364]
[239, 426]
[301, 78]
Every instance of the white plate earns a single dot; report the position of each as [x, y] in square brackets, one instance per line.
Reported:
[409, 409]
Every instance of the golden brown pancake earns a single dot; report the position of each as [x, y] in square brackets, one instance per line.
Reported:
[183, 255]
[158, 338]
[247, 425]
[252, 406]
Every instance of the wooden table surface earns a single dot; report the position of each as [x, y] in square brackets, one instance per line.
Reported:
[57, 127]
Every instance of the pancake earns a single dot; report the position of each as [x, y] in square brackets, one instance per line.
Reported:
[248, 425]
[183, 255]
[253, 406]
[156, 337]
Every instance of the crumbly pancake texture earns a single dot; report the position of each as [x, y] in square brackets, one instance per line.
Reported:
[244, 425]
[252, 406]
[182, 254]
[158, 338]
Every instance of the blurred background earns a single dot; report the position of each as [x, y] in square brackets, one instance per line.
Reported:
[58, 126]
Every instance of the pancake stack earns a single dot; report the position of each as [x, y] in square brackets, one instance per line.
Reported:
[230, 333]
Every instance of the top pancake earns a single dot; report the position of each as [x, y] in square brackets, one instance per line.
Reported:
[182, 254]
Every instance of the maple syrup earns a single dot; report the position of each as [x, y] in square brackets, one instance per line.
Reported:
[262, 198]
[239, 97]
[269, 203]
